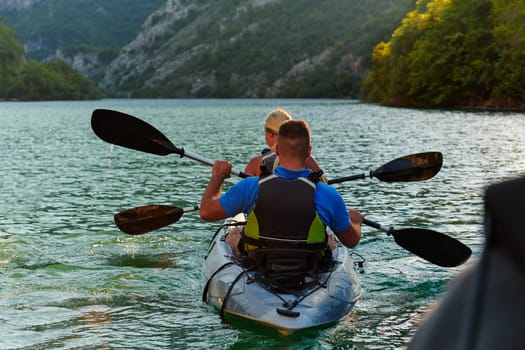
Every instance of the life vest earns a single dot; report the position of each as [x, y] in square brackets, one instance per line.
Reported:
[269, 162]
[285, 216]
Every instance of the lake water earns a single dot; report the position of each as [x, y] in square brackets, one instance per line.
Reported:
[70, 279]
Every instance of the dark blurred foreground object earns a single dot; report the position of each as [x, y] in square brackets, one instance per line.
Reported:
[485, 306]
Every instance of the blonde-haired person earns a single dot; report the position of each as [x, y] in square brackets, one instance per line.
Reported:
[290, 208]
[267, 161]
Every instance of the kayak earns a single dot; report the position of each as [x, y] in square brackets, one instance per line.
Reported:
[240, 291]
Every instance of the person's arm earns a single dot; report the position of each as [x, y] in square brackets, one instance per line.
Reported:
[253, 167]
[210, 208]
[351, 236]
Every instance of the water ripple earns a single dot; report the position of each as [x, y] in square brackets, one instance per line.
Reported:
[70, 279]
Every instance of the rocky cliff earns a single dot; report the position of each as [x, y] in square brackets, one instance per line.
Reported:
[249, 48]
[210, 48]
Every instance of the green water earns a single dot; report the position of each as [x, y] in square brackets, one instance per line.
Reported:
[69, 279]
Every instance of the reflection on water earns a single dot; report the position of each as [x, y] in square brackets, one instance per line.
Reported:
[70, 279]
[162, 261]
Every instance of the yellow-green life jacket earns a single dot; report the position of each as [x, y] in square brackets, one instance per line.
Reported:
[285, 216]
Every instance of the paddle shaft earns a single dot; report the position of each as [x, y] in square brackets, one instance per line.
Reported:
[349, 178]
[188, 209]
[209, 162]
[413, 167]
[387, 229]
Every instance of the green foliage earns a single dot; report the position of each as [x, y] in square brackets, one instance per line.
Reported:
[250, 50]
[51, 81]
[450, 53]
[52, 24]
[242, 46]
[11, 56]
[509, 37]
[21, 80]
[11, 50]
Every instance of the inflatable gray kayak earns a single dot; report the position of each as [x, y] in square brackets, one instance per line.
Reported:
[239, 290]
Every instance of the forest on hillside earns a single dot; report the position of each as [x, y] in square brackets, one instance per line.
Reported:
[210, 48]
[248, 48]
[443, 54]
[89, 25]
[22, 79]
[453, 54]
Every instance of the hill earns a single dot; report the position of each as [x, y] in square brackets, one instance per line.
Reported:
[254, 48]
[210, 48]
[87, 34]
[21, 79]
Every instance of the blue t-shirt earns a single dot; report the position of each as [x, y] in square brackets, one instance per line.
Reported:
[329, 203]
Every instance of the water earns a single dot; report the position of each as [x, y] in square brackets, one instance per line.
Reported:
[69, 279]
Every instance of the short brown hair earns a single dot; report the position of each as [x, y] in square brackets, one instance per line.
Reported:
[294, 137]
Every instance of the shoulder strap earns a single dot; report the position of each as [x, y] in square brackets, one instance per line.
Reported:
[265, 151]
[308, 181]
[266, 178]
[269, 163]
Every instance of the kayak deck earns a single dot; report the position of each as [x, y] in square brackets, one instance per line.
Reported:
[235, 290]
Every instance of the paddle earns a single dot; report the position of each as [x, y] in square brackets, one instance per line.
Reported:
[432, 246]
[127, 131]
[148, 218]
[414, 167]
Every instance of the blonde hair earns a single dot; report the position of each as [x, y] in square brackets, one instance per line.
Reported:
[275, 119]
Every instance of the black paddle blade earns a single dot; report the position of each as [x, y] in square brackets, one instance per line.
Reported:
[137, 221]
[414, 167]
[433, 246]
[127, 131]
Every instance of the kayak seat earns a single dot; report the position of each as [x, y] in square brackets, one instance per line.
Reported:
[285, 269]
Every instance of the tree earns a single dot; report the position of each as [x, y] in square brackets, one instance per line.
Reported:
[451, 53]
[52, 81]
[11, 56]
[509, 36]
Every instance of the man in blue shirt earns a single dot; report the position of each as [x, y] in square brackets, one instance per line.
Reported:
[285, 207]
[268, 159]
